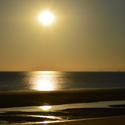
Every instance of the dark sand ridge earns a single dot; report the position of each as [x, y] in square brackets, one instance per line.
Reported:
[37, 98]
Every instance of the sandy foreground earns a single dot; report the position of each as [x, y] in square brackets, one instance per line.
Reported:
[97, 121]
[36, 98]
[114, 115]
[118, 120]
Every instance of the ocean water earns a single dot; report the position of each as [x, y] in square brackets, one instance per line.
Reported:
[60, 113]
[52, 80]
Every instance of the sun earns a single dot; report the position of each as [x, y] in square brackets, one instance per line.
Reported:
[46, 18]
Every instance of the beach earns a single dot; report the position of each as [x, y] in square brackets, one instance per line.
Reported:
[62, 62]
[35, 98]
[98, 121]
[88, 107]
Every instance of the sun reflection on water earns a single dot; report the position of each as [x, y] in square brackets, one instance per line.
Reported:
[44, 84]
[45, 108]
[43, 81]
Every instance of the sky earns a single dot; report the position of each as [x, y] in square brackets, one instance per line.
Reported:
[86, 35]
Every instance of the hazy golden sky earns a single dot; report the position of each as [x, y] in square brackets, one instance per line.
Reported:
[86, 35]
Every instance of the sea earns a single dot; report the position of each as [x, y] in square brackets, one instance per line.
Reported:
[60, 113]
[54, 80]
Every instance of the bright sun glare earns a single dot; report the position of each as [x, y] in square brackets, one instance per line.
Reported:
[46, 18]
[45, 108]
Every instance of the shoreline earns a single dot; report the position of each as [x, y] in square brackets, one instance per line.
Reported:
[38, 98]
[114, 120]
[62, 116]
[69, 116]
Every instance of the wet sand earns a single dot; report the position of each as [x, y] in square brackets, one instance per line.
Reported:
[97, 121]
[112, 115]
[37, 98]
[62, 115]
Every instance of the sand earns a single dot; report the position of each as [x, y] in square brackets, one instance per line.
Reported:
[119, 120]
[37, 98]
[97, 121]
